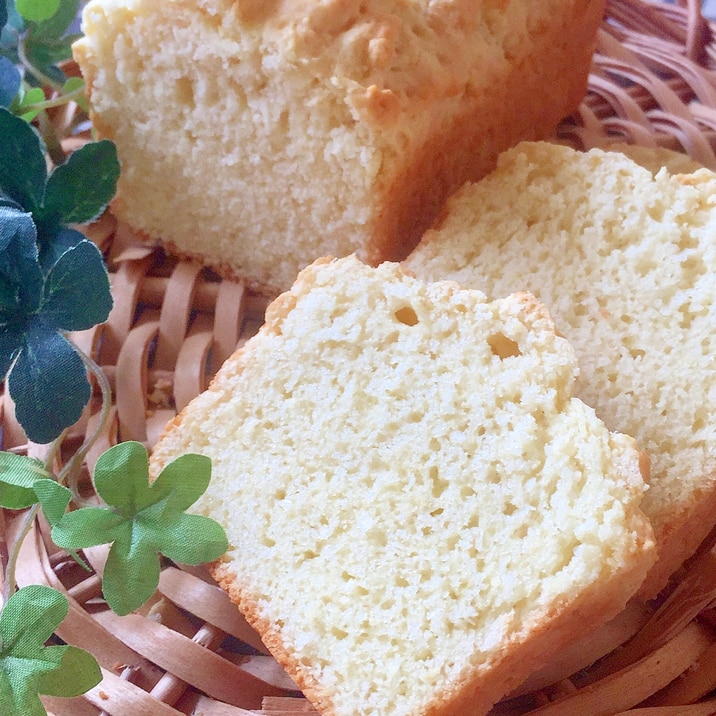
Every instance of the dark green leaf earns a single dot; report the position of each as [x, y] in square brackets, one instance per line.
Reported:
[20, 274]
[27, 666]
[10, 31]
[79, 190]
[11, 342]
[54, 499]
[76, 295]
[37, 10]
[3, 13]
[22, 162]
[48, 384]
[46, 58]
[18, 476]
[10, 81]
[57, 244]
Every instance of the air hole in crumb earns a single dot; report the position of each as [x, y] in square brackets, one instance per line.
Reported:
[184, 91]
[407, 316]
[503, 347]
[339, 633]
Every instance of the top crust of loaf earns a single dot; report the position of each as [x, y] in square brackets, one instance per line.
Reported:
[419, 512]
[624, 258]
[264, 134]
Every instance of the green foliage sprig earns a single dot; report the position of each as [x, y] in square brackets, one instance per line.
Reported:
[35, 40]
[54, 281]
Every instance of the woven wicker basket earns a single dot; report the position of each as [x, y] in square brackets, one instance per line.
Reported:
[188, 651]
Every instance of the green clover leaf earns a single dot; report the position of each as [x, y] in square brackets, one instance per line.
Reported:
[43, 28]
[52, 279]
[79, 190]
[37, 10]
[23, 170]
[18, 476]
[142, 520]
[46, 376]
[28, 667]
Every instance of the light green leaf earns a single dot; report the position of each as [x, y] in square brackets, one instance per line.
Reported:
[142, 520]
[54, 499]
[74, 84]
[18, 475]
[83, 667]
[121, 478]
[183, 481]
[194, 539]
[37, 10]
[28, 667]
[27, 103]
[132, 560]
[87, 527]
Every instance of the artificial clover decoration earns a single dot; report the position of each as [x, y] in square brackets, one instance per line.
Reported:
[141, 519]
[28, 667]
[18, 475]
[35, 40]
[52, 279]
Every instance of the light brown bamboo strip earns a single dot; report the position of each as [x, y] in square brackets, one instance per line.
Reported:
[695, 683]
[209, 603]
[630, 686]
[200, 667]
[119, 697]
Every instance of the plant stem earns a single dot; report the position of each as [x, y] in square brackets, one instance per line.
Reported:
[10, 582]
[52, 143]
[71, 471]
[40, 76]
[57, 101]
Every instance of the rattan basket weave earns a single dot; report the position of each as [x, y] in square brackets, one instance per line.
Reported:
[188, 651]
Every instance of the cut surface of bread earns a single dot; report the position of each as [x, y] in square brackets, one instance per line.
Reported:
[625, 259]
[259, 135]
[419, 512]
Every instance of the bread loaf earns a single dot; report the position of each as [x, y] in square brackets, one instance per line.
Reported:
[259, 135]
[419, 512]
[625, 260]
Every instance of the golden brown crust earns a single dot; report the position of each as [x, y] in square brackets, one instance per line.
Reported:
[487, 125]
[404, 87]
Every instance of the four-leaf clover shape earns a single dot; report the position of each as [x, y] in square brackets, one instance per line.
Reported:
[140, 519]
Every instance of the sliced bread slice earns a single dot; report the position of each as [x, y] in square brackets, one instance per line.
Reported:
[625, 259]
[419, 512]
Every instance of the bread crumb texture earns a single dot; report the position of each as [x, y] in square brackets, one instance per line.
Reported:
[261, 135]
[419, 511]
[625, 259]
